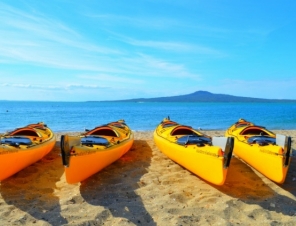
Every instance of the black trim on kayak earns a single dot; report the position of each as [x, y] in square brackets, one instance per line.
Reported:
[65, 150]
[288, 151]
[228, 151]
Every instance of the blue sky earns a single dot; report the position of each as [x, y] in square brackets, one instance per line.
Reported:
[65, 50]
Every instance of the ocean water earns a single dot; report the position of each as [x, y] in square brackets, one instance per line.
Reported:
[77, 116]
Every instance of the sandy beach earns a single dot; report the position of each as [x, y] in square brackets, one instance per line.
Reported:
[144, 187]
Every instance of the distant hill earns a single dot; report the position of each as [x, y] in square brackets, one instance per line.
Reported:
[203, 96]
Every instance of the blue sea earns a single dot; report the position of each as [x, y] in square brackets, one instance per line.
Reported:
[143, 116]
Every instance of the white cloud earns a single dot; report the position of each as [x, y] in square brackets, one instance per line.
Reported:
[78, 86]
[176, 47]
[33, 39]
[163, 68]
[109, 78]
[142, 22]
[38, 39]
[52, 87]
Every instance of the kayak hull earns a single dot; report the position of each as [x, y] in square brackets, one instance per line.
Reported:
[85, 160]
[207, 162]
[16, 157]
[272, 160]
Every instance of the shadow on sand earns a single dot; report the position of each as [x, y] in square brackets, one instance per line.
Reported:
[32, 190]
[115, 187]
[290, 183]
[244, 184]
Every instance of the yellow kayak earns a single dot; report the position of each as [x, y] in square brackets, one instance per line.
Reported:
[208, 157]
[87, 154]
[23, 147]
[265, 151]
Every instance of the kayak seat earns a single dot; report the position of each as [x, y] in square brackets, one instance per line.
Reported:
[103, 132]
[182, 130]
[24, 132]
[253, 131]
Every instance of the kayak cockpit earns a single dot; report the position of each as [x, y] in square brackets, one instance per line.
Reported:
[258, 135]
[16, 141]
[103, 131]
[91, 140]
[194, 139]
[255, 130]
[186, 136]
[262, 140]
[25, 132]
[183, 130]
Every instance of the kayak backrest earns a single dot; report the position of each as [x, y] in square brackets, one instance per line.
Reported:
[183, 130]
[24, 132]
[254, 131]
[103, 131]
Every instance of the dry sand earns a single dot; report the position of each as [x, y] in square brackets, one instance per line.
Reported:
[144, 187]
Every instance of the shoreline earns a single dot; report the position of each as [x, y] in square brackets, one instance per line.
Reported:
[144, 187]
[211, 131]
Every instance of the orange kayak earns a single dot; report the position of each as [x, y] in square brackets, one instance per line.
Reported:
[268, 153]
[23, 147]
[207, 157]
[88, 153]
